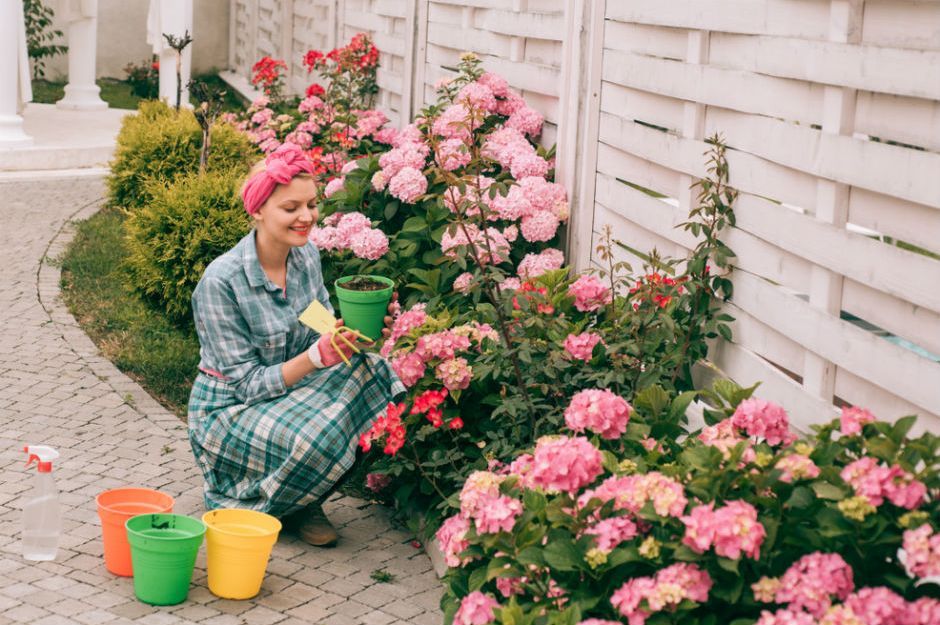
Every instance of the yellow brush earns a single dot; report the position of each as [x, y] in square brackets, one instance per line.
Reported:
[319, 319]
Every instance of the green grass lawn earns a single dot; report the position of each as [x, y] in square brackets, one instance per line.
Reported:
[160, 356]
[117, 93]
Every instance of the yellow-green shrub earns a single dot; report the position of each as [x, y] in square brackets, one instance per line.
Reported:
[184, 226]
[159, 143]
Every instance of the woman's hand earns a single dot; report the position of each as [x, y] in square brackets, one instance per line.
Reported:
[330, 350]
[393, 308]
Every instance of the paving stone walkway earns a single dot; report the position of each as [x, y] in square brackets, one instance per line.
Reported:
[56, 389]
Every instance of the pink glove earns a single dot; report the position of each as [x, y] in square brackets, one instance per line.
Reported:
[323, 354]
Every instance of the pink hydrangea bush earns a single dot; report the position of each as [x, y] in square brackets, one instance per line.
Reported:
[676, 533]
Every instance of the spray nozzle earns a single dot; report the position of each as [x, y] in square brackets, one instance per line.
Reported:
[43, 455]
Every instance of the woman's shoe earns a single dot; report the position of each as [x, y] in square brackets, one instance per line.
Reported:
[316, 529]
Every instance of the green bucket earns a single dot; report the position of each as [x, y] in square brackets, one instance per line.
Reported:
[364, 310]
[163, 553]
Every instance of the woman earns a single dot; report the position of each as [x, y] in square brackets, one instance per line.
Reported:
[274, 417]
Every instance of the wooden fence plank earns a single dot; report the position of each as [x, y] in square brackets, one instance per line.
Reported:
[808, 19]
[859, 352]
[728, 88]
[865, 67]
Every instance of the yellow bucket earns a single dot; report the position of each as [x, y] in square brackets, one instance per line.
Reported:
[238, 545]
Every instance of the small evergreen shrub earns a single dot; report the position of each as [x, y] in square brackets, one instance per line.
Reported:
[160, 144]
[184, 226]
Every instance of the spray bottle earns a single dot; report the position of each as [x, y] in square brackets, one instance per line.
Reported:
[42, 522]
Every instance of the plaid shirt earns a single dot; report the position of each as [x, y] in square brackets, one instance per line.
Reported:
[247, 325]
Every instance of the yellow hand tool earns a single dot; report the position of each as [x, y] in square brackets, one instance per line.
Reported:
[321, 320]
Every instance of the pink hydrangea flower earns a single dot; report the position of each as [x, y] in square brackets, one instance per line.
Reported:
[922, 551]
[476, 609]
[348, 167]
[924, 611]
[737, 531]
[875, 482]
[455, 374]
[853, 418]
[302, 139]
[496, 83]
[411, 155]
[479, 486]
[877, 606]
[513, 205]
[452, 540]
[796, 467]
[545, 196]
[724, 436]
[526, 120]
[611, 532]
[504, 144]
[452, 154]
[262, 117]
[533, 265]
[581, 346]
[490, 246]
[478, 96]
[511, 102]
[469, 201]
[761, 418]
[386, 135]
[369, 244]
[377, 482]
[408, 185]
[407, 321]
[442, 345]
[310, 104]
[811, 582]
[785, 617]
[456, 122]
[599, 411]
[528, 163]
[379, 181]
[632, 492]
[902, 489]
[521, 467]
[509, 586]
[699, 528]
[409, 368]
[496, 513]
[464, 282]
[565, 464]
[589, 293]
[510, 284]
[539, 227]
[369, 122]
[666, 590]
[333, 186]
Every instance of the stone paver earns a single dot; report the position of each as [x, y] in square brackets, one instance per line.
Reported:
[55, 388]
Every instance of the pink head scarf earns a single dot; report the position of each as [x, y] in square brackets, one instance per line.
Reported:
[280, 167]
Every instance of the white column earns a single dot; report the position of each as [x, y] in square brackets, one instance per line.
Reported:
[171, 17]
[82, 93]
[11, 124]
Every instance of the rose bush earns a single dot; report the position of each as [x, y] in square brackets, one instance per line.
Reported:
[740, 522]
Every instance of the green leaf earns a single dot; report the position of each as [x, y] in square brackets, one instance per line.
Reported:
[653, 398]
[391, 209]
[563, 555]
[729, 565]
[901, 427]
[477, 579]
[825, 490]
[534, 501]
[801, 497]
[414, 224]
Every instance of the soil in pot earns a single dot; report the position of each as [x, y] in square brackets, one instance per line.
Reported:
[364, 283]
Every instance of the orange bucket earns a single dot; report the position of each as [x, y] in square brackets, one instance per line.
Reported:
[115, 507]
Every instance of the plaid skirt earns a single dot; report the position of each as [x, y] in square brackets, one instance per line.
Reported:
[279, 455]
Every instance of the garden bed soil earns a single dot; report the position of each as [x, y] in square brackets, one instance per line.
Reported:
[363, 283]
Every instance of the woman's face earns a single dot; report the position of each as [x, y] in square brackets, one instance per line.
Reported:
[289, 212]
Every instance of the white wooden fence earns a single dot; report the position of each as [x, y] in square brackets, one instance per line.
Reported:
[830, 108]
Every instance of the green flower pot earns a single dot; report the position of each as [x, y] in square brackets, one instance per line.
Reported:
[364, 311]
[163, 551]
